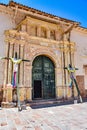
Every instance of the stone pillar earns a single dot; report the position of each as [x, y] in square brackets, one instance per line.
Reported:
[58, 35]
[71, 57]
[28, 80]
[21, 73]
[5, 72]
[69, 91]
[66, 76]
[38, 31]
[21, 93]
[30, 83]
[9, 93]
[23, 28]
[58, 83]
[28, 29]
[62, 73]
[9, 86]
[48, 33]
[16, 49]
[10, 64]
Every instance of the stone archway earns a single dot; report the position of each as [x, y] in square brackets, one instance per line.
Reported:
[43, 78]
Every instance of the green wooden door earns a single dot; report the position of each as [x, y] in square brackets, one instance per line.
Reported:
[43, 72]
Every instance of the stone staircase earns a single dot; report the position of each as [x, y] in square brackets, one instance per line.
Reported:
[40, 103]
[48, 103]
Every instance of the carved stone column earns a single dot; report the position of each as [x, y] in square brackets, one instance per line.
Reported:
[58, 83]
[69, 91]
[23, 28]
[57, 35]
[28, 29]
[9, 86]
[21, 74]
[48, 33]
[28, 80]
[5, 72]
[16, 49]
[21, 66]
[10, 63]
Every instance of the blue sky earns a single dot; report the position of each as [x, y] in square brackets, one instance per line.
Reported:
[71, 9]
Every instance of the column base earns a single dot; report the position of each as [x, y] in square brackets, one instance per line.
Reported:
[8, 104]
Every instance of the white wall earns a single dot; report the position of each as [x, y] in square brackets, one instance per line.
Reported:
[80, 38]
[5, 24]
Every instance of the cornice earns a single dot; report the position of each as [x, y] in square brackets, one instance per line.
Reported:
[29, 21]
[13, 36]
[81, 29]
[14, 9]
[29, 9]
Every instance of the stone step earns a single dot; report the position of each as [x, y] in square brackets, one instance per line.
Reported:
[48, 103]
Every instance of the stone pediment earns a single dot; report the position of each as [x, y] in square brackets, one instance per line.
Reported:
[30, 21]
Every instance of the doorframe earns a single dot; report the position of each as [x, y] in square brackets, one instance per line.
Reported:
[55, 77]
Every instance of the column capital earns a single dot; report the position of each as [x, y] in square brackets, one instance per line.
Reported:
[58, 69]
[21, 66]
[11, 42]
[22, 44]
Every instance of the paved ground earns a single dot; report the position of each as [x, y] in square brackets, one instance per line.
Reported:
[67, 117]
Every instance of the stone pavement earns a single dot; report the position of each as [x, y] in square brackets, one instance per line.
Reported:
[66, 117]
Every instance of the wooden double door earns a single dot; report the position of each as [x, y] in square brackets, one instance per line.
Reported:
[43, 78]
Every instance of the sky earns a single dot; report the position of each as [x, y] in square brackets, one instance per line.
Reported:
[75, 10]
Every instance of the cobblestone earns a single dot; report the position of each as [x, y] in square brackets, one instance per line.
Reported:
[67, 117]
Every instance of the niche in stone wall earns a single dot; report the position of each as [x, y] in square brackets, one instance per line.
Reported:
[43, 32]
[33, 30]
[58, 35]
[52, 34]
[23, 27]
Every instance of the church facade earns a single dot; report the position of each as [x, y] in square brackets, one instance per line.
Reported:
[46, 44]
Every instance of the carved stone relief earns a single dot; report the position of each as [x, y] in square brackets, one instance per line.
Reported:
[43, 32]
[33, 30]
[52, 34]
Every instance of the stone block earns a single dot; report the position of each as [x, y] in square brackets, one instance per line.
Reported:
[22, 93]
[9, 93]
[60, 92]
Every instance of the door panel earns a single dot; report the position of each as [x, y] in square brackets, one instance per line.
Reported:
[43, 70]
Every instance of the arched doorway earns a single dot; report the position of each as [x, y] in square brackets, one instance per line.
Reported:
[43, 78]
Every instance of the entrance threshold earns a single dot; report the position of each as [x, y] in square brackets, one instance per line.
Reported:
[49, 103]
